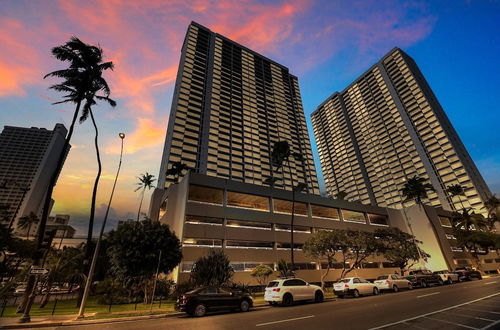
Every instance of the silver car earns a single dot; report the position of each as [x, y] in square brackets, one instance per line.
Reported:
[447, 276]
[392, 282]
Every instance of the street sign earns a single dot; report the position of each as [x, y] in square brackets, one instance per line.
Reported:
[38, 271]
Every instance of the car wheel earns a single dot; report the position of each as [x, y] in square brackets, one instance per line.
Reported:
[200, 310]
[355, 293]
[450, 281]
[318, 297]
[440, 282]
[287, 299]
[410, 286]
[423, 284]
[395, 288]
[244, 306]
[375, 291]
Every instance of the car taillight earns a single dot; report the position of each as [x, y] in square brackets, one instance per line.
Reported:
[276, 289]
[184, 299]
[387, 282]
[346, 285]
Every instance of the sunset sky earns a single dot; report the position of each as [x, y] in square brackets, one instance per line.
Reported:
[326, 44]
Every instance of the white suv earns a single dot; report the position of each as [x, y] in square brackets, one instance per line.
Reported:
[288, 290]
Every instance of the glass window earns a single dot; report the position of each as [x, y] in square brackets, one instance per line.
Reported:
[205, 195]
[325, 212]
[197, 220]
[249, 224]
[303, 229]
[283, 206]
[247, 201]
[199, 242]
[377, 219]
[287, 246]
[353, 216]
[249, 245]
[186, 267]
[445, 222]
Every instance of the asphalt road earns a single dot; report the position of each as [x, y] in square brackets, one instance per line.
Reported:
[467, 305]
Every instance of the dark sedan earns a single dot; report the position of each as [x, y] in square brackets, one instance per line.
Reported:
[205, 299]
[467, 274]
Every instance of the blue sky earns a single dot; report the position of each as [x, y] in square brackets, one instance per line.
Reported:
[327, 44]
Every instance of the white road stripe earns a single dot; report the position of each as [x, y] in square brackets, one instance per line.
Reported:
[482, 318]
[490, 326]
[460, 325]
[438, 311]
[429, 294]
[480, 310]
[287, 320]
[490, 283]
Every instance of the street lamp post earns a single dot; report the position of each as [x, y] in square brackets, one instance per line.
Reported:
[98, 245]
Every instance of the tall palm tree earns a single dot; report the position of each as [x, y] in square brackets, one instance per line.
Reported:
[416, 189]
[25, 222]
[456, 190]
[145, 181]
[83, 82]
[176, 170]
[468, 220]
[341, 195]
[280, 154]
[492, 206]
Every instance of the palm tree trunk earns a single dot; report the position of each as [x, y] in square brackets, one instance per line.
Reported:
[30, 286]
[292, 256]
[94, 191]
[28, 232]
[140, 204]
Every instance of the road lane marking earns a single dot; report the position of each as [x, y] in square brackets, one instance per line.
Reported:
[490, 283]
[482, 318]
[490, 326]
[480, 310]
[460, 325]
[287, 320]
[438, 311]
[429, 294]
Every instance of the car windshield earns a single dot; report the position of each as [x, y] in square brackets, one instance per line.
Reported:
[273, 284]
[345, 280]
[383, 277]
[194, 291]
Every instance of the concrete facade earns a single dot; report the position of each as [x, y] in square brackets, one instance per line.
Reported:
[386, 127]
[251, 235]
[28, 158]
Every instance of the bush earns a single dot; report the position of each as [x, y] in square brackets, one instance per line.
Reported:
[111, 291]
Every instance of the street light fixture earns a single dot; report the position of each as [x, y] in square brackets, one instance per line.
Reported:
[98, 245]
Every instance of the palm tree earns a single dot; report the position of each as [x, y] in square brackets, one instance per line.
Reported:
[145, 181]
[176, 170]
[83, 81]
[492, 206]
[416, 189]
[341, 195]
[456, 190]
[468, 220]
[280, 154]
[25, 222]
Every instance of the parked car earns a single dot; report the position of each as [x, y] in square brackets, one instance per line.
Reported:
[423, 278]
[287, 290]
[354, 286]
[20, 290]
[392, 282]
[467, 274]
[210, 298]
[447, 276]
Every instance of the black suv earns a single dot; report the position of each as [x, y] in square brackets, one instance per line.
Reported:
[467, 274]
[210, 298]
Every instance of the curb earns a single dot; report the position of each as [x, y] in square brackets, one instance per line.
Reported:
[105, 321]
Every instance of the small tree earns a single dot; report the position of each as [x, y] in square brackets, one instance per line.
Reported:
[27, 221]
[134, 249]
[416, 189]
[262, 273]
[214, 269]
[176, 170]
[356, 246]
[145, 181]
[323, 245]
[283, 268]
[341, 195]
[399, 247]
